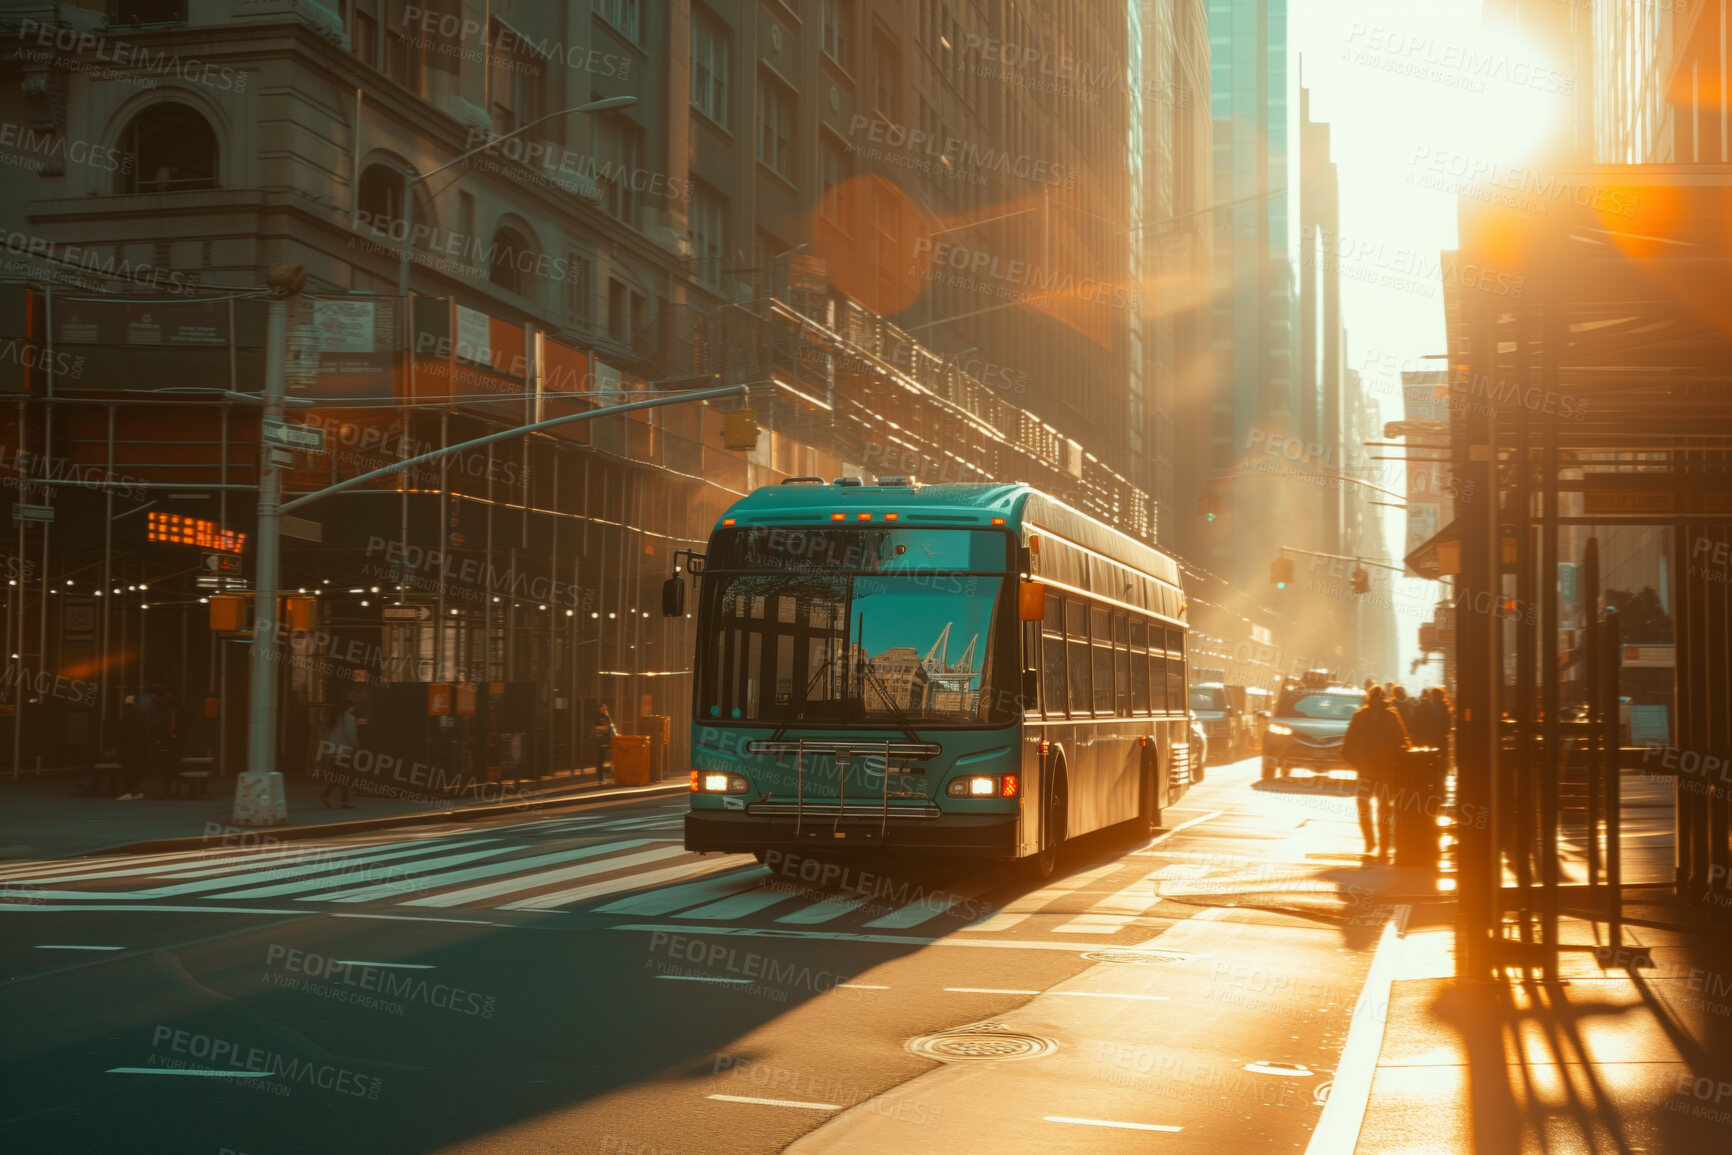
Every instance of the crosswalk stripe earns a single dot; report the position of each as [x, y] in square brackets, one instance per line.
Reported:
[413, 875]
[615, 885]
[1118, 910]
[518, 883]
[739, 905]
[309, 879]
[823, 911]
[933, 905]
[1019, 909]
[194, 864]
[673, 898]
[445, 877]
[335, 888]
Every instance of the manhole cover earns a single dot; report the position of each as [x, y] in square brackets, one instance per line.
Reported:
[977, 1044]
[1137, 956]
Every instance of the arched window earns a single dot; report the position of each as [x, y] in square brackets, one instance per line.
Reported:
[172, 149]
[379, 203]
[513, 260]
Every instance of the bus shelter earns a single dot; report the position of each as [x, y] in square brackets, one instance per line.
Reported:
[1590, 393]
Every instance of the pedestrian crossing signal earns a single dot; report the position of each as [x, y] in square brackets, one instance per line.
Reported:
[1281, 572]
[740, 429]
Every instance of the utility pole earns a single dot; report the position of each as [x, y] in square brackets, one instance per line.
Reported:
[258, 796]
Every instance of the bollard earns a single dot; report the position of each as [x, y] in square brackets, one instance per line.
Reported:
[259, 799]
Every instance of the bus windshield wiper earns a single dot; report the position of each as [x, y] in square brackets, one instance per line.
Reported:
[869, 671]
[782, 730]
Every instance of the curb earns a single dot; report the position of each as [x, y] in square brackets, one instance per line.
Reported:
[337, 829]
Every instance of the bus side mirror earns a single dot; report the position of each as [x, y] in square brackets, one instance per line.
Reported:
[673, 597]
[1031, 602]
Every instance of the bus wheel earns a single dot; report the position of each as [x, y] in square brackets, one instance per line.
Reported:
[1057, 804]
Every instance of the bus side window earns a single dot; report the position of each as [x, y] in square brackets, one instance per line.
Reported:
[1140, 667]
[1121, 665]
[1157, 669]
[1052, 689]
[1102, 638]
[1176, 670]
[1076, 630]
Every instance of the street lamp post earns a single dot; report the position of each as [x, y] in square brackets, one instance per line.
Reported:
[411, 178]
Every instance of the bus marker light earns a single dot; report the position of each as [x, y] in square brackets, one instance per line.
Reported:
[838, 517]
[1045, 749]
[1008, 790]
[893, 517]
[862, 517]
[998, 521]
[727, 521]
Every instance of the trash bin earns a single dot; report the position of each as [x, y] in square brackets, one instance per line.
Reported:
[631, 759]
[1417, 795]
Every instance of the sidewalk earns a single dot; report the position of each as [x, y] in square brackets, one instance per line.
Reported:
[1625, 1054]
[42, 817]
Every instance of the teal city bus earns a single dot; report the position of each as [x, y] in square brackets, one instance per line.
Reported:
[943, 670]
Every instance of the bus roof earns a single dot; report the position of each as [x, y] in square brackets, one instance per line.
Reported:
[1021, 507]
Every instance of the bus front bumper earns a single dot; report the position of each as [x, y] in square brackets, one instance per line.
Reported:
[958, 835]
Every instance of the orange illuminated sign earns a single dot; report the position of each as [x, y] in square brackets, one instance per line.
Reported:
[176, 529]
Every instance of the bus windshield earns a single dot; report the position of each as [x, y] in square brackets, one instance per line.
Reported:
[802, 648]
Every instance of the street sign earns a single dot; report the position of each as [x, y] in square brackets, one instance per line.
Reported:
[22, 512]
[222, 562]
[303, 437]
[408, 613]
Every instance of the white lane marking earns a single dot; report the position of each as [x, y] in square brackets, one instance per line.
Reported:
[180, 1071]
[776, 1102]
[324, 875]
[823, 911]
[528, 882]
[903, 940]
[70, 946]
[672, 898]
[589, 858]
[1019, 909]
[985, 991]
[864, 986]
[334, 889]
[615, 885]
[1338, 1126]
[933, 905]
[1110, 1123]
[140, 908]
[417, 918]
[1074, 994]
[698, 979]
[350, 962]
[738, 905]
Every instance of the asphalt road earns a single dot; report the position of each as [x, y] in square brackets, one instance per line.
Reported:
[581, 983]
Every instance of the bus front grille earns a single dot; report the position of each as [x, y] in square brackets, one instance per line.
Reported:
[842, 810]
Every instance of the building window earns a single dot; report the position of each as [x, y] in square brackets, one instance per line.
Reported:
[838, 21]
[379, 201]
[173, 150]
[512, 260]
[709, 231]
[710, 66]
[622, 14]
[517, 76]
[618, 324]
[133, 12]
[886, 76]
[832, 171]
[466, 220]
[618, 147]
[577, 289]
[775, 126]
[365, 38]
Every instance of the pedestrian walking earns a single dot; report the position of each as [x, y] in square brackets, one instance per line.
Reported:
[603, 734]
[341, 739]
[133, 742]
[1435, 724]
[1405, 706]
[1373, 746]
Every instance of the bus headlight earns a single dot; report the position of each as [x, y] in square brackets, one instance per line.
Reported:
[984, 786]
[719, 782]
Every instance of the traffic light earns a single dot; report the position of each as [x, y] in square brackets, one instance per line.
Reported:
[1209, 504]
[740, 429]
[1361, 580]
[1281, 572]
